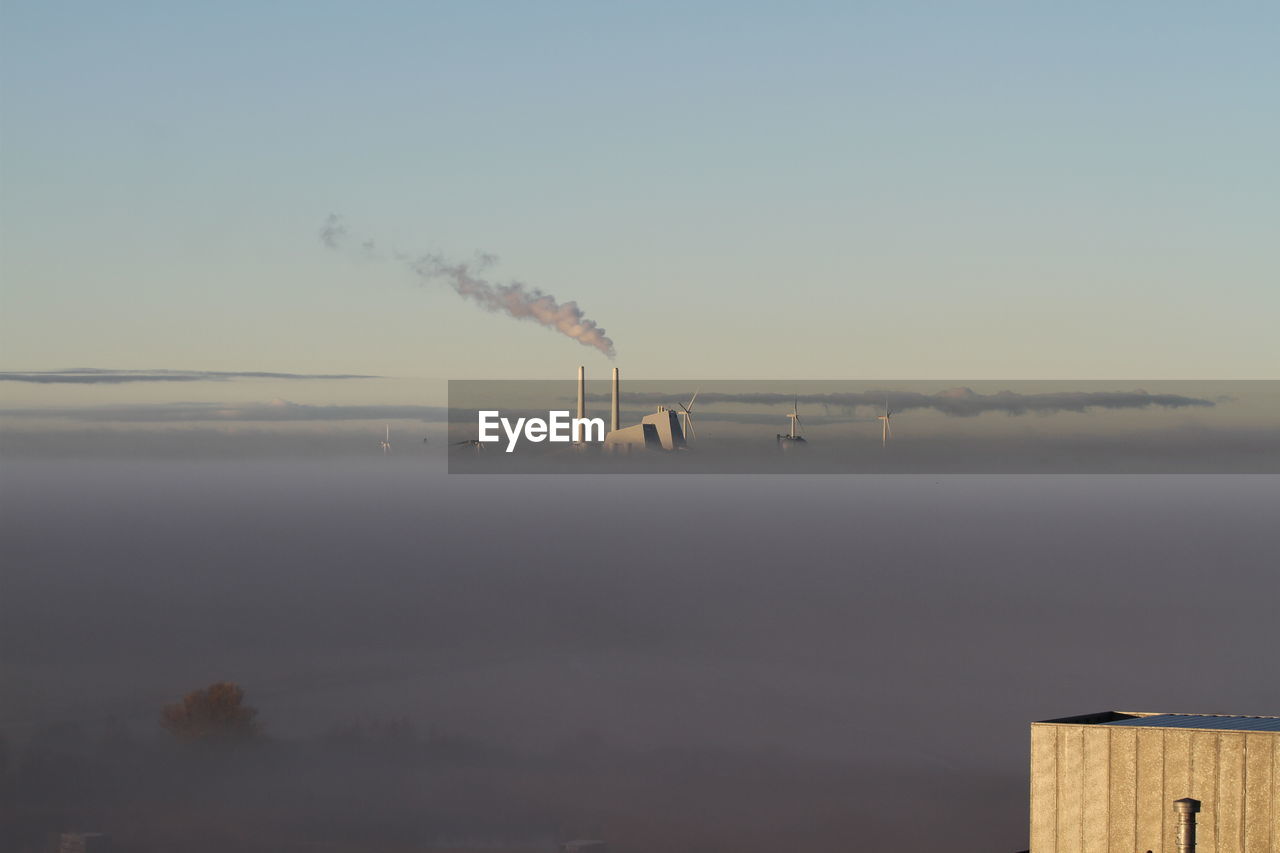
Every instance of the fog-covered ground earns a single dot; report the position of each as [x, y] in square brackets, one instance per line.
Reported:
[674, 663]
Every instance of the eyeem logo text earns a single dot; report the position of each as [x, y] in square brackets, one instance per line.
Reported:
[557, 427]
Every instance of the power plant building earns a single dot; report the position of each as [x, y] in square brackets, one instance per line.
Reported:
[667, 425]
[642, 436]
[1106, 782]
[658, 431]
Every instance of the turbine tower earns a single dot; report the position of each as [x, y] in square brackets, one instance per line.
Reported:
[794, 415]
[386, 442]
[686, 412]
[884, 420]
[792, 438]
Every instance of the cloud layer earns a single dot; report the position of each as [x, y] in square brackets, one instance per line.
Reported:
[276, 410]
[958, 402]
[103, 376]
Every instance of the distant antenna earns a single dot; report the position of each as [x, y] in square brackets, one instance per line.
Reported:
[386, 442]
[686, 411]
[884, 420]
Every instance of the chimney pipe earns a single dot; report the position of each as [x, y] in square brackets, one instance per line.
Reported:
[582, 391]
[1186, 809]
[614, 418]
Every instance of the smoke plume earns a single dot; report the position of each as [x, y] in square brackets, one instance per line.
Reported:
[515, 299]
[333, 232]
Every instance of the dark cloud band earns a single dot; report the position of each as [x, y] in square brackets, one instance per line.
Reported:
[277, 411]
[99, 376]
[958, 402]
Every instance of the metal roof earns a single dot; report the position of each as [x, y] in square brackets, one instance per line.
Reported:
[1201, 721]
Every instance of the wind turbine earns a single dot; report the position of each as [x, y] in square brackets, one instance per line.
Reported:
[792, 438]
[794, 415]
[386, 442]
[884, 420]
[687, 412]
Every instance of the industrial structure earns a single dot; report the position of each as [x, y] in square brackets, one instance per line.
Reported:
[642, 436]
[658, 431]
[1125, 781]
[686, 415]
[884, 419]
[793, 437]
[666, 424]
[582, 397]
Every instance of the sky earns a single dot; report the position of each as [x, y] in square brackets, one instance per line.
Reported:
[869, 190]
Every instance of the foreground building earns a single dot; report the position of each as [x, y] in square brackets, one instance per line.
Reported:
[1107, 782]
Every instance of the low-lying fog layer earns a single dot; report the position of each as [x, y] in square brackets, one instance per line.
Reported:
[710, 663]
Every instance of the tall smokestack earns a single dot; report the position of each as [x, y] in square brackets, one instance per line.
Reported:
[614, 418]
[582, 391]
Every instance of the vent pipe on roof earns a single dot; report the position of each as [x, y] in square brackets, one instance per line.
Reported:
[1186, 809]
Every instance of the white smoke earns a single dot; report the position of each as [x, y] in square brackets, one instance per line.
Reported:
[514, 299]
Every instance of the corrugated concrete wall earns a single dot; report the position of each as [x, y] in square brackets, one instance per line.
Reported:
[1110, 789]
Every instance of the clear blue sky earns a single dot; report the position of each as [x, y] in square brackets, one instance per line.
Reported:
[895, 190]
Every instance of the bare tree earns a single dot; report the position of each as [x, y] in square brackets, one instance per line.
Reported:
[216, 713]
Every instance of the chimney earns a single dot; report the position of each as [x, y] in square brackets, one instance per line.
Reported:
[1186, 809]
[614, 416]
[582, 391]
